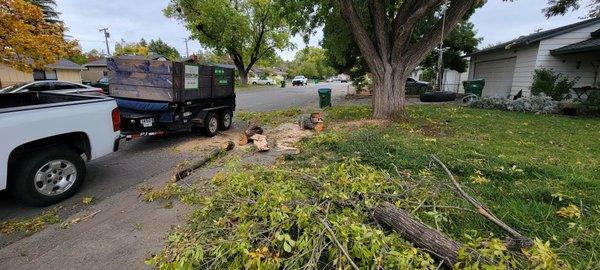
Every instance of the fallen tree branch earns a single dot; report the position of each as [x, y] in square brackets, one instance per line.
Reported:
[441, 247]
[335, 240]
[482, 210]
[188, 168]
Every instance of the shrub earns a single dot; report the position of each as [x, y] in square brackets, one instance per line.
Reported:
[555, 85]
[540, 104]
[590, 106]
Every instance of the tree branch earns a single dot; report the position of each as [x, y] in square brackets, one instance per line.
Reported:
[406, 20]
[381, 24]
[481, 209]
[457, 9]
[364, 42]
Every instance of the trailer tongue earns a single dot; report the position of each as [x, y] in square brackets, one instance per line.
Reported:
[160, 97]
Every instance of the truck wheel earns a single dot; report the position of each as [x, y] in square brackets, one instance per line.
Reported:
[211, 125]
[48, 177]
[226, 120]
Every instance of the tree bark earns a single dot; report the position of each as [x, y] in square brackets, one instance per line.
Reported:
[441, 247]
[243, 77]
[389, 92]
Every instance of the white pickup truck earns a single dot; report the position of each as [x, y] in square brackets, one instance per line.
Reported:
[44, 137]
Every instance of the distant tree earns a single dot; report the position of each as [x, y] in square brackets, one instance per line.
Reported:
[312, 63]
[561, 7]
[93, 55]
[134, 48]
[164, 49]
[48, 8]
[143, 43]
[246, 30]
[79, 58]
[27, 41]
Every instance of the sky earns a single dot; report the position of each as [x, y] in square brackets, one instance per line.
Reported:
[132, 20]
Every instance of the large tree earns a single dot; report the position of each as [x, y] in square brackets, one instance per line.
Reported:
[384, 32]
[561, 7]
[27, 40]
[246, 30]
[164, 49]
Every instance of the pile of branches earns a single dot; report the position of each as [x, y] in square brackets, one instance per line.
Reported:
[343, 215]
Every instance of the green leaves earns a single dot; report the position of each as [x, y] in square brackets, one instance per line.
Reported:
[247, 30]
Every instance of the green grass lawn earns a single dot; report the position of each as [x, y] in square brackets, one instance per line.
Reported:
[525, 168]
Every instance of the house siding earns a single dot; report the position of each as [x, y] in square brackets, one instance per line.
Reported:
[93, 74]
[524, 67]
[69, 75]
[574, 65]
[10, 76]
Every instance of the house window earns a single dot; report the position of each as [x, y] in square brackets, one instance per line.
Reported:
[40, 75]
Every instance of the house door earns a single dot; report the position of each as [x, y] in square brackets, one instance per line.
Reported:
[498, 76]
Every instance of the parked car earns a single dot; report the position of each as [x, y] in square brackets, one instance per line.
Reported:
[414, 87]
[60, 87]
[264, 81]
[344, 80]
[44, 138]
[102, 83]
[299, 81]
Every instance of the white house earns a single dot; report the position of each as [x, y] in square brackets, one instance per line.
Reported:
[572, 50]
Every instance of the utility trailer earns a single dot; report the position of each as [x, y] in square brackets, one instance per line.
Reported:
[158, 97]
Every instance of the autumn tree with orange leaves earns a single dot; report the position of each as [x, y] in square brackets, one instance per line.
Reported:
[27, 40]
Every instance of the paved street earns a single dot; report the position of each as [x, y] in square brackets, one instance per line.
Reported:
[142, 159]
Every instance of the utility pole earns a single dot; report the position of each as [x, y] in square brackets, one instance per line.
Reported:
[106, 36]
[187, 53]
[440, 73]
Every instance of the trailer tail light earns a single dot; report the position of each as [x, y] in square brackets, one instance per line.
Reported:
[116, 119]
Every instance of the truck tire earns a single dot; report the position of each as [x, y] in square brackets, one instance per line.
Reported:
[47, 177]
[211, 125]
[226, 119]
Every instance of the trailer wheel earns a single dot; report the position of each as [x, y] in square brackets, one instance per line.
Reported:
[47, 177]
[226, 119]
[211, 125]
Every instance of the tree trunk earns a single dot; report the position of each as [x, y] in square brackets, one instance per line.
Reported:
[389, 92]
[243, 77]
[441, 247]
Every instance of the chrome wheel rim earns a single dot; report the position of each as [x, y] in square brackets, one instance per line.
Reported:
[226, 120]
[213, 125]
[55, 177]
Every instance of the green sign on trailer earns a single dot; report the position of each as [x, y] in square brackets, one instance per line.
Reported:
[219, 71]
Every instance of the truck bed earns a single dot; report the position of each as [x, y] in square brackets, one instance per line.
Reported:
[36, 100]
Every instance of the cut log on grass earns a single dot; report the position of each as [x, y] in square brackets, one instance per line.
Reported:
[312, 121]
[260, 141]
[186, 169]
[440, 246]
[519, 240]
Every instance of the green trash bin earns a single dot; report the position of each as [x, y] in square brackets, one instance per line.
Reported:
[474, 87]
[324, 97]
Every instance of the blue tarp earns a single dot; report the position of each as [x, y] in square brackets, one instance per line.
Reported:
[144, 106]
[156, 108]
